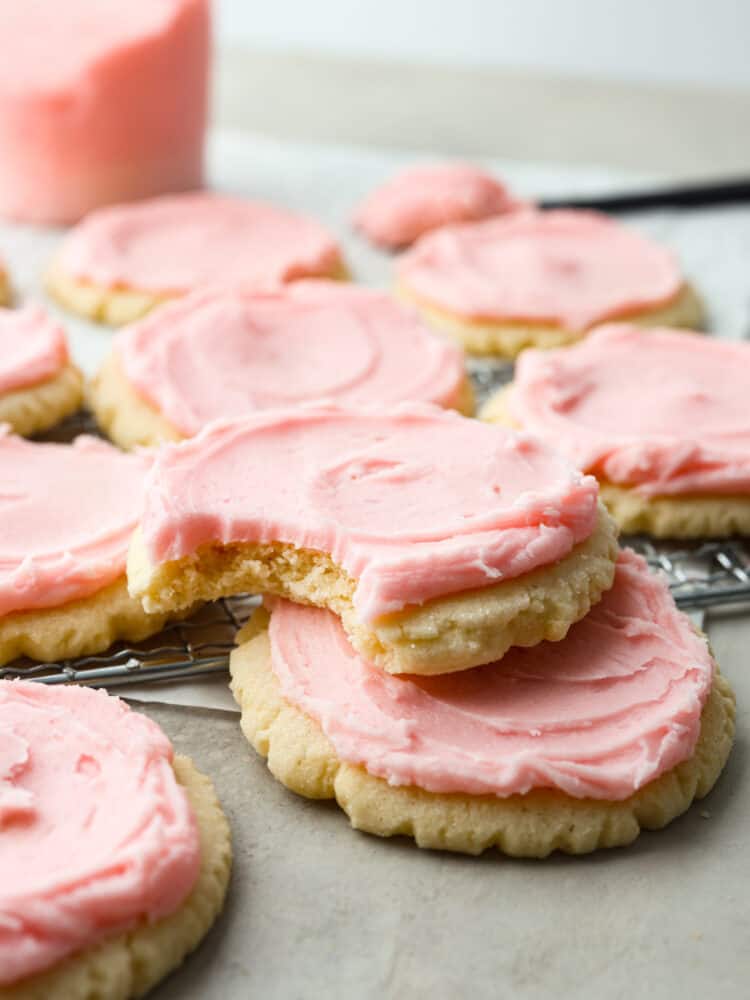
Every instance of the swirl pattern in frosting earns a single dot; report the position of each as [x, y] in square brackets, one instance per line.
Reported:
[180, 243]
[566, 268]
[66, 517]
[214, 356]
[662, 411]
[95, 832]
[598, 715]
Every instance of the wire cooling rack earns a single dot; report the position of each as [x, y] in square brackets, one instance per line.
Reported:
[700, 575]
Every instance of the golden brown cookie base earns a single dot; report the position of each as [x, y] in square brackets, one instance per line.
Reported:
[118, 306]
[301, 757]
[508, 339]
[36, 408]
[5, 292]
[713, 516]
[694, 516]
[443, 635]
[130, 420]
[78, 628]
[129, 965]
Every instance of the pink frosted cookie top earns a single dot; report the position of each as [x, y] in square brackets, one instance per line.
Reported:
[96, 835]
[32, 347]
[422, 198]
[660, 410]
[178, 243]
[413, 504]
[569, 268]
[614, 705]
[66, 516]
[219, 355]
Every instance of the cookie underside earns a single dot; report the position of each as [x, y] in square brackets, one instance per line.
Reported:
[301, 757]
[36, 408]
[508, 339]
[129, 964]
[445, 634]
[78, 628]
[120, 305]
[678, 516]
[130, 420]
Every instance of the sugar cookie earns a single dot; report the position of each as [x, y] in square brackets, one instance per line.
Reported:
[571, 746]
[542, 279]
[39, 384]
[439, 541]
[114, 855]
[100, 103]
[218, 355]
[659, 416]
[66, 516]
[122, 261]
[420, 199]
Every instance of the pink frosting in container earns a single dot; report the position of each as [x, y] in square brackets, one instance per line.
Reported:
[568, 268]
[100, 102]
[598, 715]
[222, 355]
[414, 503]
[96, 835]
[180, 243]
[33, 347]
[662, 411]
[66, 517]
[426, 197]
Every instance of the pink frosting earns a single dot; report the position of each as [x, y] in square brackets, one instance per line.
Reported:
[96, 833]
[178, 243]
[660, 410]
[100, 102]
[33, 347]
[419, 199]
[218, 355]
[416, 503]
[598, 715]
[570, 268]
[66, 516]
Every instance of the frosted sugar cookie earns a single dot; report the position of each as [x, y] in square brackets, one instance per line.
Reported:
[420, 199]
[221, 355]
[440, 541]
[660, 417]
[568, 746]
[542, 279]
[39, 384]
[114, 853]
[100, 103]
[122, 261]
[66, 516]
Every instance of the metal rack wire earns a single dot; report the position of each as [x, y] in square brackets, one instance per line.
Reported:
[700, 575]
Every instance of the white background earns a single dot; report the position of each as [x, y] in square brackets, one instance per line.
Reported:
[704, 42]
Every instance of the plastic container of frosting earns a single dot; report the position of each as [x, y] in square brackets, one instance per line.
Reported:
[100, 102]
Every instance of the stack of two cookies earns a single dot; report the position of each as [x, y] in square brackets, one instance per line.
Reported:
[451, 644]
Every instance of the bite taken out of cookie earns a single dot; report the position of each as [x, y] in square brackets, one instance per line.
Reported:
[439, 541]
